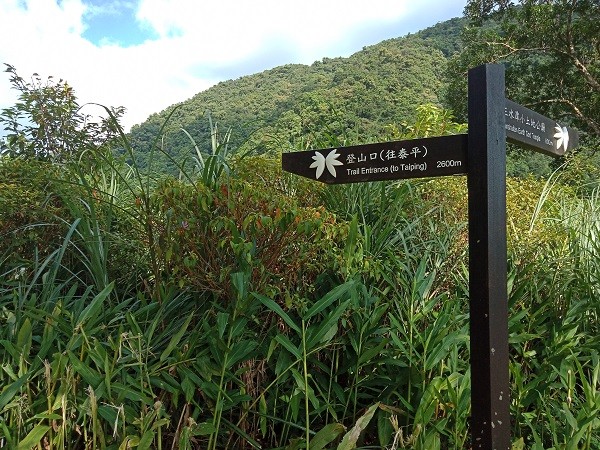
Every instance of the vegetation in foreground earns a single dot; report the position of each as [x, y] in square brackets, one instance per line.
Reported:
[234, 306]
[241, 308]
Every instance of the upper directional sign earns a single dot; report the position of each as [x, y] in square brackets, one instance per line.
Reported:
[530, 129]
[415, 158]
[426, 157]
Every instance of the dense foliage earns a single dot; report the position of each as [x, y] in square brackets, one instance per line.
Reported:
[235, 306]
[48, 123]
[297, 105]
[551, 51]
[246, 308]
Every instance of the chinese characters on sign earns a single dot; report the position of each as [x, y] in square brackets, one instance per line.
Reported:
[530, 129]
[427, 157]
[387, 154]
[409, 160]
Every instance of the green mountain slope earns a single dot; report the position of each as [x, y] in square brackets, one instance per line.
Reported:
[300, 106]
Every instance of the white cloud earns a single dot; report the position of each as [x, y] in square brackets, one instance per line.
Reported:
[46, 38]
[196, 36]
[110, 7]
[219, 32]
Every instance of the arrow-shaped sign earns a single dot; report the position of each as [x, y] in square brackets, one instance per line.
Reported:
[527, 128]
[415, 158]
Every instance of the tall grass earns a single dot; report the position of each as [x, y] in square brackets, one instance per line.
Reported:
[218, 312]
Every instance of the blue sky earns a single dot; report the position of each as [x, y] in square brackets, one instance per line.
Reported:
[115, 23]
[148, 54]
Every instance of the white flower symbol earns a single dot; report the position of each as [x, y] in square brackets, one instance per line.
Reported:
[330, 161]
[562, 134]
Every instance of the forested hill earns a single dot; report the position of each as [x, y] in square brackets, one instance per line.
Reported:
[297, 105]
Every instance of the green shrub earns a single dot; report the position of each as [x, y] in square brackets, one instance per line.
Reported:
[31, 209]
[203, 236]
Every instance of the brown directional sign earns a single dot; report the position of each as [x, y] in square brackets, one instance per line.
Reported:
[527, 128]
[396, 160]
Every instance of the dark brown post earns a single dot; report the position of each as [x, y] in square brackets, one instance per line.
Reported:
[486, 179]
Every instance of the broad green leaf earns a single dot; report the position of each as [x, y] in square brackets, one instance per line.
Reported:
[132, 390]
[278, 310]
[299, 379]
[160, 423]
[11, 390]
[327, 434]
[262, 408]
[110, 414]
[329, 334]
[333, 295]
[129, 442]
[570, 419]
[351, 437]
[238, 280]
[91, 377]
[188, 388]
[6, 435]
[10, 348]
[296, 444]
[165, 382]
[284, 340]
[372, 352]
[203, 429]
[33, 438]
[222, 319]
[240, 352]
[48, 416]
[95, 305]
[518, 444]
[584, 428]
[441, 351]
[146, 440]
[432, 441]
[174, 342]
[186, 372]
[239, 327]
[184, 439]
[319, 332]
[24, 338]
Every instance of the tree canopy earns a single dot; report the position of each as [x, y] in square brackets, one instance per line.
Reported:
[551, 49]
[298, 105]
[48, 123]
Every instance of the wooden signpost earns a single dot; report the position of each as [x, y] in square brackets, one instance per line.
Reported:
[529, 129]
[481, 155]
[415, 158]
